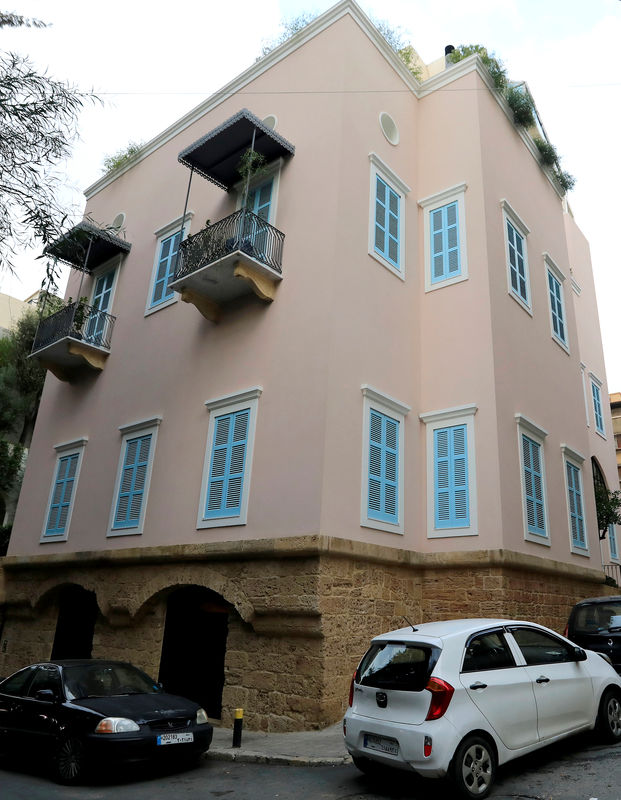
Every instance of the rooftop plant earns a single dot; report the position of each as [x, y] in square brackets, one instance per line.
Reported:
[521, 104]
[121, 157]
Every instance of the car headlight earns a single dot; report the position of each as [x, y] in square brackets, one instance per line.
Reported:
[116, 725]
[201, 716]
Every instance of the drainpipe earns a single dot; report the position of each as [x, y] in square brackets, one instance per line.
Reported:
[185, 211]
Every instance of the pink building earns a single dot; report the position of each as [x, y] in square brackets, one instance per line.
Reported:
[375, 394]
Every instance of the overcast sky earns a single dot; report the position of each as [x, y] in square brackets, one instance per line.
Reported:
[152, 62]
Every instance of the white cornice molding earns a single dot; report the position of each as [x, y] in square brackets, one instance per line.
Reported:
[238, 397]
[468, 410]
[390, 173]
[445, 194]
[374, 395]
[530, 426]
[72, 445]
[141, 424]
[572, 454]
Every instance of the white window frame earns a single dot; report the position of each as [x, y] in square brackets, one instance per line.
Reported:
[228, 404]
[73, 447]
[98, 273]
[449, 417]
[576, 459]
[527, 427]
[584, 393]
[379, 167]
[510, 215]
[552, 268]
[272, 171]
[384, 404]
[131, 431]
[163, 233]
[594, 380]
[428, 204]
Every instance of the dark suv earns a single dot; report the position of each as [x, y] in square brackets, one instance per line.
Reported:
[595, 624]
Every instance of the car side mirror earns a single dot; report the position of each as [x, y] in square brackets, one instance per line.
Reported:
[45, 696]
[579, 654]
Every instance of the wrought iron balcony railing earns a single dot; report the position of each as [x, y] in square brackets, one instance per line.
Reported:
[242, 231]
[76, 321]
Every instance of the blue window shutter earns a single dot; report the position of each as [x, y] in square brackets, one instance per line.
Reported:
[575, 506]
[533, 486]
[260, 199]
[383, 491]
[62, 495]
[556, 308]
[451, 491]
[612, 539]
[226, 473]
[132, 482]
[444, 233]
[165, 269]
[597, 407]
[387, 210]
[517, 265]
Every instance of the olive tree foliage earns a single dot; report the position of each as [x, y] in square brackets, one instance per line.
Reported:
[608, 506]
[38, 124]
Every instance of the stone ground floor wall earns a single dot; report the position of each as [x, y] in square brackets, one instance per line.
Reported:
[301, 611]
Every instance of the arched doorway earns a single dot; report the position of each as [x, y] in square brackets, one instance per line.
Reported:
[194, 646]
[77, 613]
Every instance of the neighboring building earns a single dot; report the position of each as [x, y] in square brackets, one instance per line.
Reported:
[381, 396]
[11, 310]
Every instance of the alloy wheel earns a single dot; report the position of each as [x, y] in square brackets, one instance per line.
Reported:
[477, 769]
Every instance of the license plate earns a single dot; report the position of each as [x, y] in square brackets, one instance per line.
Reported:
[381, 744]
[175, 738]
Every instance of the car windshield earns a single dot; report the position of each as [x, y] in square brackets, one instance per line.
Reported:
[106, 680]
[397, 665]
[598, 617]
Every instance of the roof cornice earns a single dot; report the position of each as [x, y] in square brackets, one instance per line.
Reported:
[311, 30]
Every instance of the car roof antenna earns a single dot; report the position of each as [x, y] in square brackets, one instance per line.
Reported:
[410, 624]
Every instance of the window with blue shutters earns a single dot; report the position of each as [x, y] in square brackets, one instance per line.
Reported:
[131, 491]
[382, 461]
[597, 407]
[451, 472]
[557, 311]
[444, 242]
[574, 500]
[612, 542]
[383, 468]
[451, 507]
[132, 484]
[228, 459]
[226, 474]
[387, 217]
[62, 495]
[63, 491]
[517, 263]
[532, 464]
[387, 203]
[165, 269]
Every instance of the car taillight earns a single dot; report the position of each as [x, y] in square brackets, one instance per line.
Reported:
[441, 693]
[566, 631]
[351, 690]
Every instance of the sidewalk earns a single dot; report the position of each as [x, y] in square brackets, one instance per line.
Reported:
[306, 748]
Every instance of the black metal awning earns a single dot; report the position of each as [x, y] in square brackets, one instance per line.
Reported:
[216, 155]
[73, 247]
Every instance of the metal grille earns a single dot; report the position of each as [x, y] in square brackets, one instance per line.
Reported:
[78, 321]
[613, 571]
[166, 725]
[242, 231]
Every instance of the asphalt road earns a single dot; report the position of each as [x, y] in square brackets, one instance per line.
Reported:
[574, 770]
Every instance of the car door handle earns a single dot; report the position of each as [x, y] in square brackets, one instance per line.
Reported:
[478, 685]
[543, 679]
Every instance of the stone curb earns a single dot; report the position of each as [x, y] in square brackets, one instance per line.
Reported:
[252, 757]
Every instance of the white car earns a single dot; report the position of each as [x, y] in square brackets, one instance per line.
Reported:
[460, 697]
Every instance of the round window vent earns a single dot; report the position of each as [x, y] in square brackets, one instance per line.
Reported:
[389, 127]
[270, 121]
[118, 221]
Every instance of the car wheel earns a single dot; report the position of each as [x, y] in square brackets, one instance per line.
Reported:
[473, 769]
[609, 717]
[366, 765]
[68, 763]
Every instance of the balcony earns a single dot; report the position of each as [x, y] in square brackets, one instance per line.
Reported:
[72, 340]
[238, 255]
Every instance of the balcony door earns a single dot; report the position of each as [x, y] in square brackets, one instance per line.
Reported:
[100, 305]
[259, 202]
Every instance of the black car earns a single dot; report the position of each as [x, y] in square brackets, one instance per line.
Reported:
[81, 713]
[595, 624]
